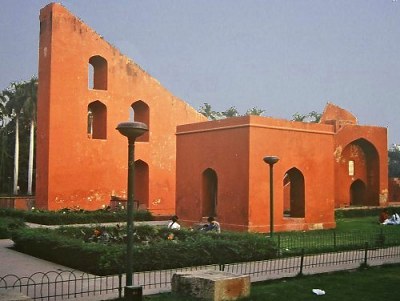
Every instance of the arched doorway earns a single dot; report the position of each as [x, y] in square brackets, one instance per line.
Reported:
[359, 173]
[357, 193]
[210, 193]
[142, 183]
[294, 194]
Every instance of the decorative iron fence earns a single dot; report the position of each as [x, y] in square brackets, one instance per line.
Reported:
[56, 285]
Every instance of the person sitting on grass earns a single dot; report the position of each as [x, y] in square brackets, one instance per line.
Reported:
[393, 220]
[383, 216]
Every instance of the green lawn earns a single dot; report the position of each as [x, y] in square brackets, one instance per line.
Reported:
[373, 284]
[350, 233]
[369, 223]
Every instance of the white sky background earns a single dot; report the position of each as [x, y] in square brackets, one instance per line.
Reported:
[280, 56]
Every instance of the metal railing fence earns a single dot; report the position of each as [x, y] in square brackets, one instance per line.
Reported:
[56, 285]
[315, 241]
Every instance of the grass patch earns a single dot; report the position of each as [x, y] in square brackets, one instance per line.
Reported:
[350, 233]
[372, 284]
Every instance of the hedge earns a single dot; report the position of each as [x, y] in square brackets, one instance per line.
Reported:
[67, 247]
[67, 217]
[362, 212]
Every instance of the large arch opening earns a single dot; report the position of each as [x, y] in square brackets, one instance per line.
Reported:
[360, 173]
[294, 194]
[210, 193]
[97, 73]
[357, 193]
[97, 120]
[140, 112]
[142, 184]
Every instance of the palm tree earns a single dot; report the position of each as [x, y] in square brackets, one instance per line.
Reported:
[18, 103]
[299, 117]
[207, 111]
[2, 112]
[29, 110]
[312, 117]
[14, 101]
[316, 117]
[231, 112]
[3, 142]
[255, 111]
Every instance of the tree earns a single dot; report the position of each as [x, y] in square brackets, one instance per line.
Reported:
[231, 112]
[208, 112]
[4, 143]
[315, 117]
[312, 117]
[394, 161]
[29, 111]
[2, 113]
[13, 100]
[298, 117]
[19, 101]
[255, 111]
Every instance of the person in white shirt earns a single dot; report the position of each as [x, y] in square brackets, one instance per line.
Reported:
[173, 224]
[393, 220]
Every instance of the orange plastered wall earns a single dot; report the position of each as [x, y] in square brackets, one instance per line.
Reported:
[73, 169]
[375, 138]
[235, 148]
[223, 149]
[306, 147]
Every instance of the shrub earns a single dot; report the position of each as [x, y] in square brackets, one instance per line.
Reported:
[9, 224]
[67, 247]
[361, 212]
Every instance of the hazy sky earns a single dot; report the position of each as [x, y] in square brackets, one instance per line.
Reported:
[281, 56]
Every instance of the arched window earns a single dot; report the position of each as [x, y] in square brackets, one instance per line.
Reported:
[141, 113]
[90, 123]
[97, 73]
[210, 192]
[97, 120]
[294, 193]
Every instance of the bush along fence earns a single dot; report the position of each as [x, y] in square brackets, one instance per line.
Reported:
[72, 284]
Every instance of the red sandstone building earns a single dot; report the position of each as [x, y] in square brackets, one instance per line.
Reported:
[86, 88]
[186, 164]
[335, 163]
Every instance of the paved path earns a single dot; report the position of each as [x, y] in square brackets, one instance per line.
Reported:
[22, 265]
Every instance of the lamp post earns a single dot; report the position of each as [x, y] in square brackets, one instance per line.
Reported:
[271, 160]
[131, 130]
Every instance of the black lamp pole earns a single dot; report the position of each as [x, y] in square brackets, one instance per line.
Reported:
[131, 130]
[271, 160]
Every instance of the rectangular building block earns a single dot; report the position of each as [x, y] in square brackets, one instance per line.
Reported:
[211, 285]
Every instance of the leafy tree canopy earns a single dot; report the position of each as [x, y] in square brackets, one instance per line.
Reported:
[312, 117]
[207, 111]
[394, 161]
